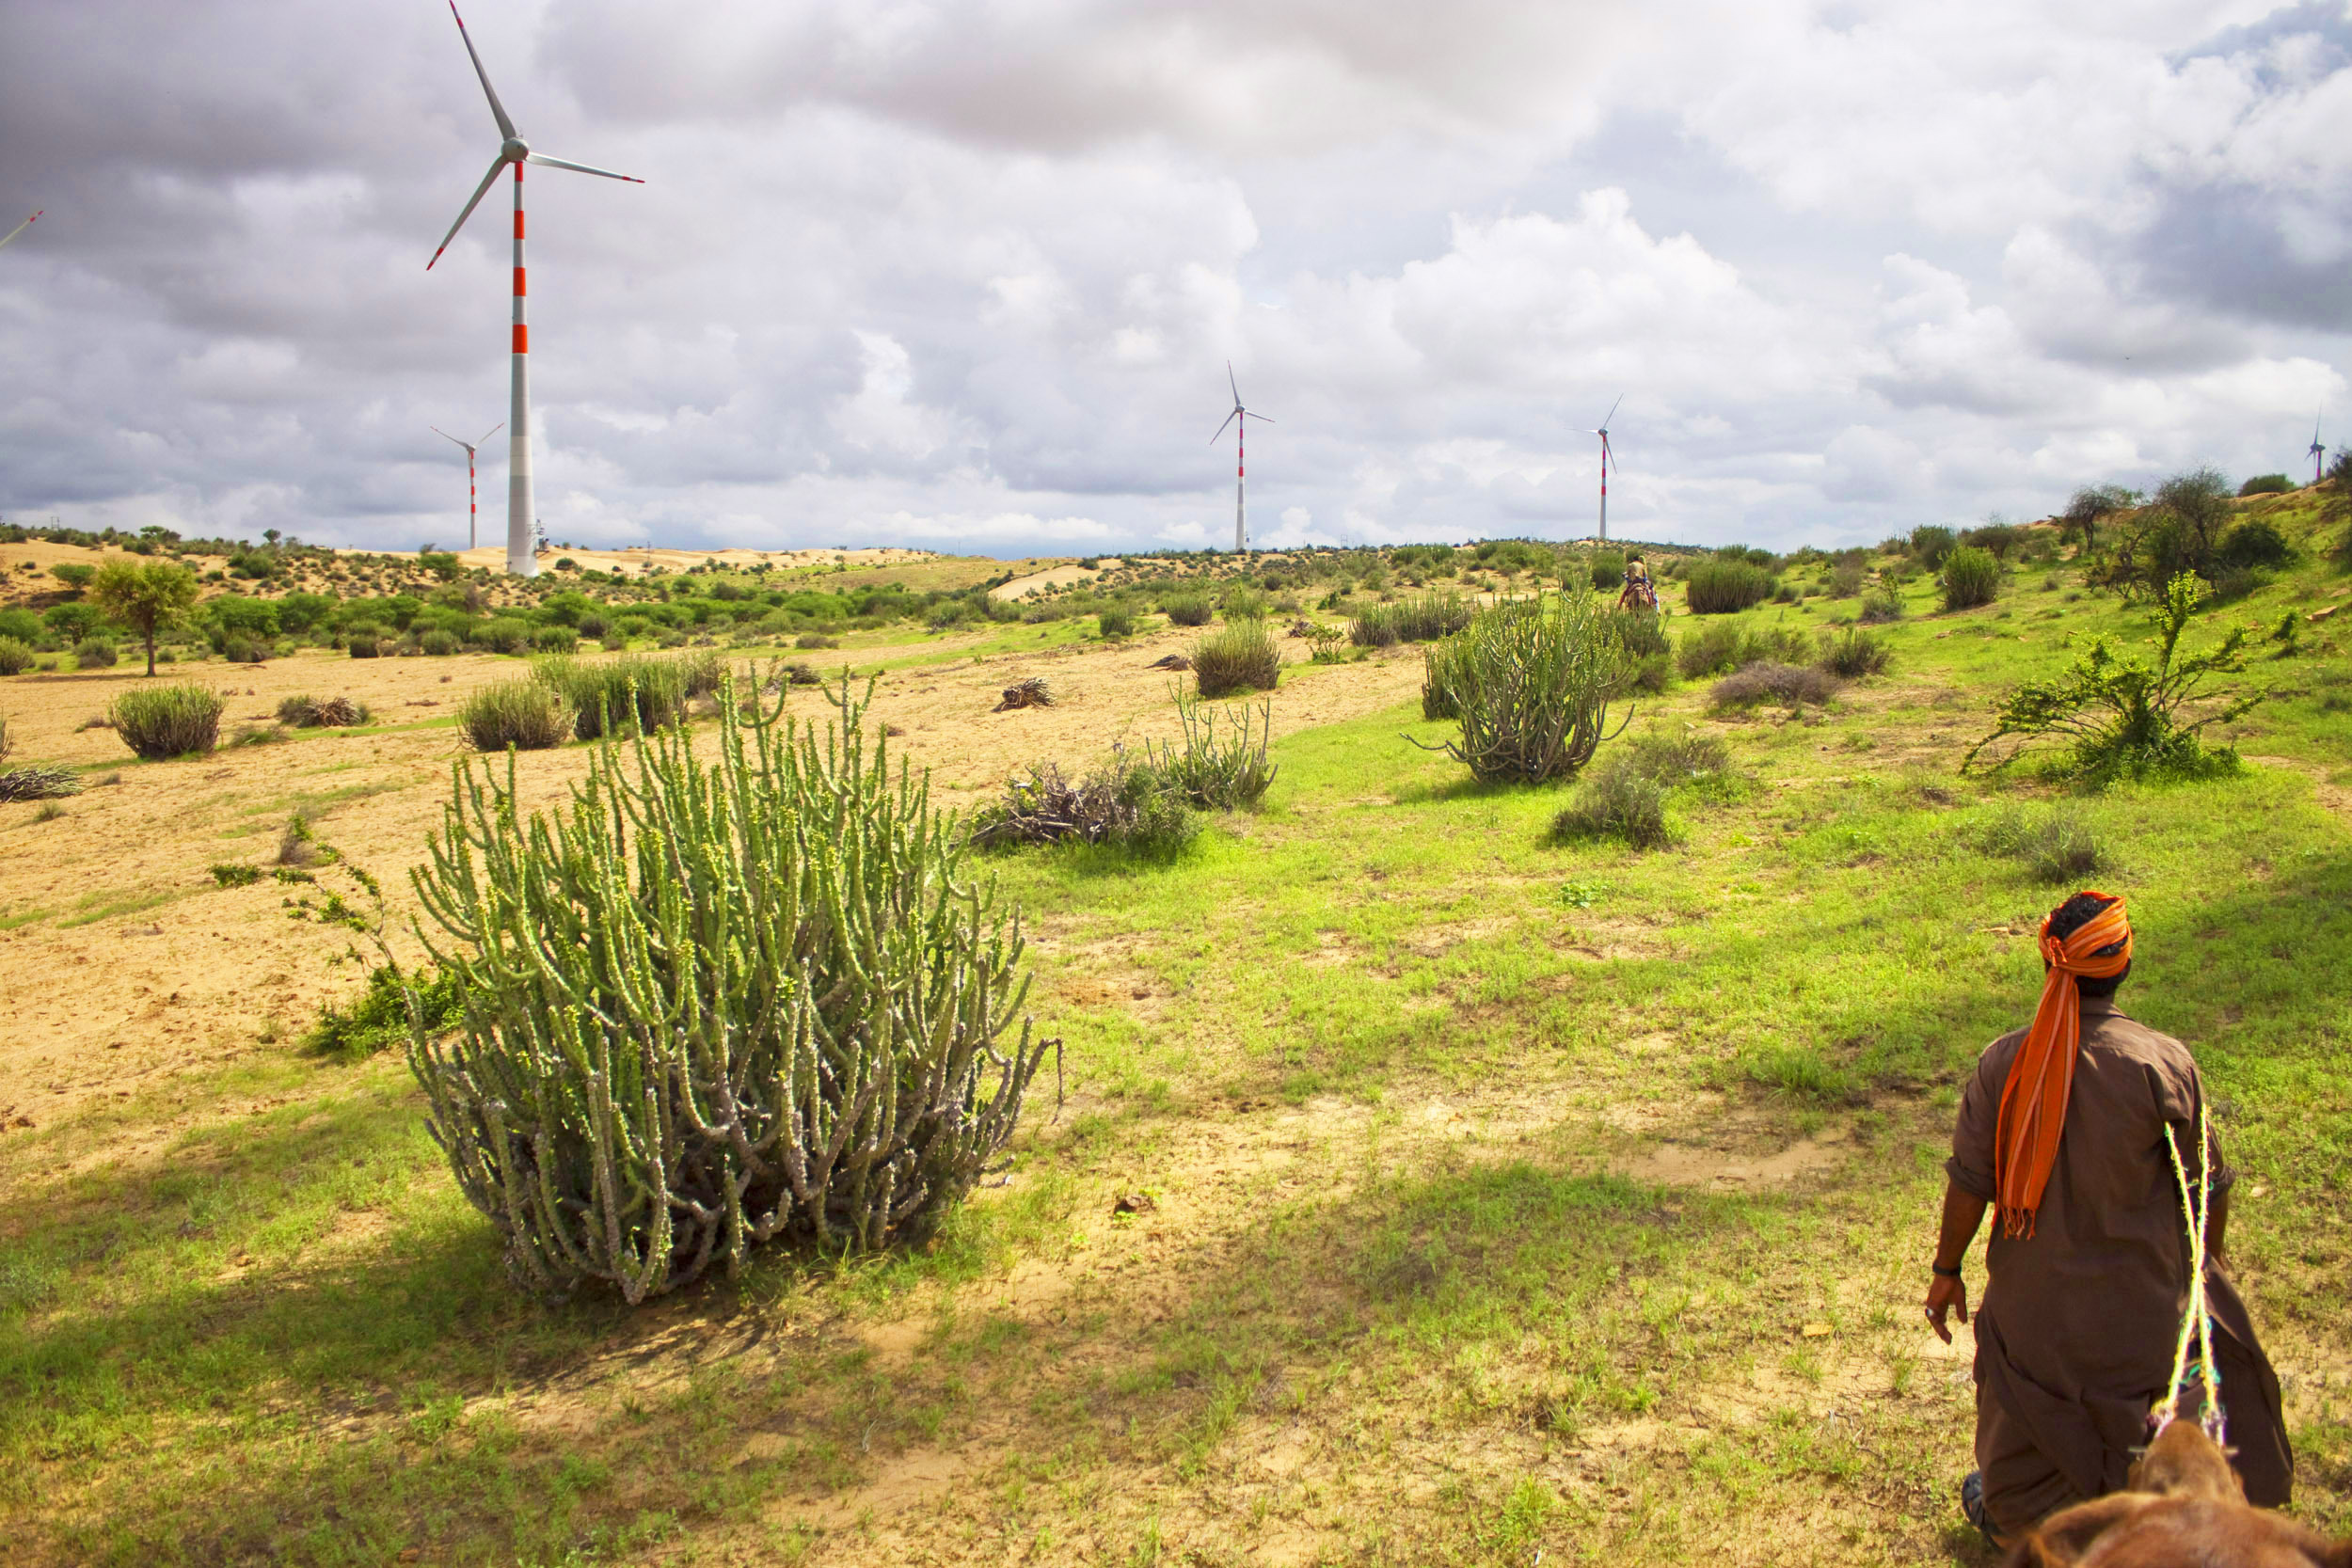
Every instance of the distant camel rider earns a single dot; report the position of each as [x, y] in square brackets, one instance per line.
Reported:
[2062, 1129]
[1637, 593]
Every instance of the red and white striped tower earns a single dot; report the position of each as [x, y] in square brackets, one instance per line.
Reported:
[521, 516]
[1241, 472]
[1607, 457]
[521, 560]
[473, 534]
[1239, 418]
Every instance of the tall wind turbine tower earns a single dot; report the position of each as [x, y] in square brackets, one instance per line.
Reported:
[22, 227]
[521, 516]
[472, 538]
[1607, 457]
[2318, 455]
[1239, 418]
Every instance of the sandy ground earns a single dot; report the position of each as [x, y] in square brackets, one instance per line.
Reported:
[636, 562]
[127, 963]
[1057, 577]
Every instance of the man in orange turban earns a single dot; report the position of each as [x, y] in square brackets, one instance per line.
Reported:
[2062, 1129]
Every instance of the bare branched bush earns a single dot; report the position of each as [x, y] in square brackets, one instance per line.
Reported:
[1793, 685]
[1119, 805]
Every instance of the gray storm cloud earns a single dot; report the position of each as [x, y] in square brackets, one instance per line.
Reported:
[967, 275]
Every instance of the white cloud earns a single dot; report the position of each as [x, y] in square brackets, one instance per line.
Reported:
[969, 276]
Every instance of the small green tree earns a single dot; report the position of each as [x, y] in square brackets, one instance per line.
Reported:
[2122, 715]
[74, 574]
[2092, 505]
[147, 597]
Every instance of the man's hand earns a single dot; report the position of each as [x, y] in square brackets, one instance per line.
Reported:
[1946, 1295]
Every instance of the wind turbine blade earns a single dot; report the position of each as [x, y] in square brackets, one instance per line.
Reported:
[578, 168]
[1260, 418]
[28, 223]
[497, 110]
[492, 431]
[1613, 411]
[1220, 429]
[479, 192]
[1230, 382]
[446, 436]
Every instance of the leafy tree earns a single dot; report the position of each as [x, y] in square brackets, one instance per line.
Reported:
[74, 574]
[2093, 504]
[1931, 544]
[2122, 715]
[147, 597]
[73, 621]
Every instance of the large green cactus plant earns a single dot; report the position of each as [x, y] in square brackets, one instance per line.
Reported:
[713, 1004]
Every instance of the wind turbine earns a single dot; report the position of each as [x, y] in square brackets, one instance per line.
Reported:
[1607, 457]
[520, 515]
[1239, 418]
[22, 227]
[2318, 455]
[471, 537]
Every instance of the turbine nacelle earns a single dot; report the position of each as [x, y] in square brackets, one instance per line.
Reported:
[515, 150]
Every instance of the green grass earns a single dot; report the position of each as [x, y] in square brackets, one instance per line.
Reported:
[1418, 1287]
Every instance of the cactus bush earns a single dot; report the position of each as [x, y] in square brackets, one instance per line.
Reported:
[1531, 681]
[717, 1004]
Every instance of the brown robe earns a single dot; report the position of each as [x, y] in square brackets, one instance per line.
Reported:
[2075, 1332]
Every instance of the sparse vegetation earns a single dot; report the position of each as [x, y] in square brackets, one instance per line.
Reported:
[1881, 605]
[1119, 805]
[16, 657]
[2055, 845]
[829, 1078]
[385, 1015]
[162, 722]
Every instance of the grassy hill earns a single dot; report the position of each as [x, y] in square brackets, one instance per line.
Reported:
[1423, 1189]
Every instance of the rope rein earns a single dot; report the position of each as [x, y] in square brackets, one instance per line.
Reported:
[2197, 1321]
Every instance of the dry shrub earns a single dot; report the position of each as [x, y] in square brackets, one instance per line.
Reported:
[1185, 609]
[305, 713]
[1031, 692]
[624, 694]
[1794, 684]
[1121, 805]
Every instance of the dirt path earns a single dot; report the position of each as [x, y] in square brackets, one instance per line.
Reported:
[128, 964]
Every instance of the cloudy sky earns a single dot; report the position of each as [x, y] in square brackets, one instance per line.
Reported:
[967, 275]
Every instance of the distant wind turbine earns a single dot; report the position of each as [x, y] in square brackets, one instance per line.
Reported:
[1607, 457]
[2318, 455]
[522, 518]
[1239, 418]
[471, 540]
[22, 227]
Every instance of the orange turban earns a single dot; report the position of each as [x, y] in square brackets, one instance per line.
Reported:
[2033, 1101]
